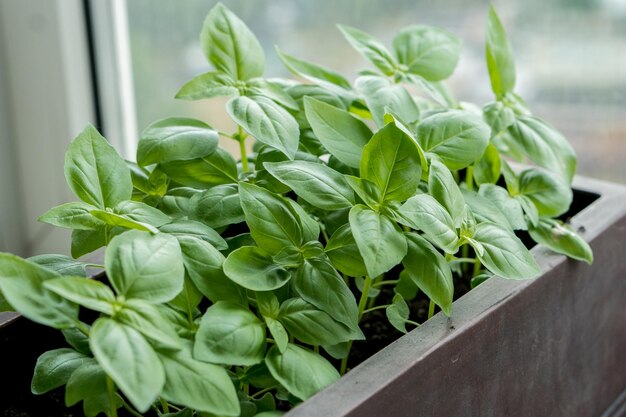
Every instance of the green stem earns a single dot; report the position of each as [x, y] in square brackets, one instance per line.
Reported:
[388, 282]
[414, 323]
[477, 267]
[344, 362]
[431, 309]
[129, 408]
[242, 149]
[164, 405]
[112, 402]
[263, 391]
[362, 302]
[469, 177]
[226, 135]
[95, 266]
[369, 310]
[324, 233]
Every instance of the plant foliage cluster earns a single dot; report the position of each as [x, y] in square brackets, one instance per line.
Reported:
[236, 286]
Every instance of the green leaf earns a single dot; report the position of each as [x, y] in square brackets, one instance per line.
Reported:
[508, 205]
[443, 187]
[95, 172]
[484, 209]
[278, 332]
[551, 195]
[382, 96]
[72, 216]
[218, 168]
[187, 301]
[561, 239]
[504, 254]
[196, 230]
[344, 254]
[457, 137]
[230, 45]
[218, 207]
[380, 243]
[301, 371]
[313, 326]
[272, 221]
[342, 134]
[499, 54]
[398, 313]
[369, 192]
[202, 386]
[487, 168]
[145, 266]
[318, 283]
[21, 284]
[428, 269]
[370, 48]
[175, 139]
[119, 220]
[310, 226]
[319, 185]
[84, 291]
[272, 90]
[315, 73]
[152, 183]
[148, 320]
[392, 162]
[88, 384]
[230, 334]
[203, 263]
[143, 213]
[86, 241]
[252, 268]
[53, 369]
[129, 360]
[208, 85]
[546, 147]
[268, 122]
[61, 264]
[423, 212]
[430, 52]
[498, 116]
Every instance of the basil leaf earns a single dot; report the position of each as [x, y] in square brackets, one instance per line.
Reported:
[319, 185]
[382, 96]
[443, 187]
[218, 168]
[273, 222]
[546, 147]
[317, 282]
[95, 172]
[230, 45]
[457, 137]
[254, 269]
[129, 360]
[195, 230]
[88, 384]
[145, 266]
[342, 134]
[271, 90]
[370, 48]
[509, 206]
[423, 212]
[498, 116]
[280, 335]
[148, 320]
[500, 61]
[504, 254]
[187, 301]
[392, 162]
[428, 269]
[301, 371]
[369, 192]
[427, 51]
[84, 291]
[561, 239]
[119, 220]
[266, 121]
[53, 369]
[313, 326]
[380, 243]
[310, 227]
[143, 213]
[398, 313]
[202, 386]
[230, 334]
[175, 139]
[315, 73]
[551, 195]
[344, 254]
[61, 264]
[72, 216]
[86, 241]
[22, 285]
[208, 85]
[218, 207]
[484, 209]
[487, 168]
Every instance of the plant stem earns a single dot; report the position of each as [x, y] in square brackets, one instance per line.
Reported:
[369, 310]
[344, 361]
[431, 309]
[112, 402]
[165, 405]
[477, 267]
[129, 408]
[388, 282]
[263, 391]
[469, 177]
[362, 302]
[242, 149]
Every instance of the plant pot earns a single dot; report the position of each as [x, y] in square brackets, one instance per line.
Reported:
[552, 346]
[549, 346]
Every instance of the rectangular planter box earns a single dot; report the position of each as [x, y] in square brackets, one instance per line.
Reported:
[552, 346]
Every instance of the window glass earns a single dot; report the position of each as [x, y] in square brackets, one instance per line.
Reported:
[570, 55]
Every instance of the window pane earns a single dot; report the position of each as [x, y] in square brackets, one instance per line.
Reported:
[571, 56]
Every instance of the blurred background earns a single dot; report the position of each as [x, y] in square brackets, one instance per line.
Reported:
[119, 63]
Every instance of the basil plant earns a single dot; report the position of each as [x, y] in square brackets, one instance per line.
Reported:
[236, 288]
